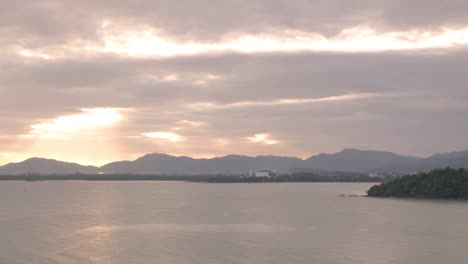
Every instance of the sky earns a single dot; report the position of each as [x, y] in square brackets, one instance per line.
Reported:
[99, 81]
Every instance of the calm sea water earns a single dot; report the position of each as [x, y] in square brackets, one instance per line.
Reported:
[176, 222]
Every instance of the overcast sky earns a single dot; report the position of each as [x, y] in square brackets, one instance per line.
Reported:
[97, 81]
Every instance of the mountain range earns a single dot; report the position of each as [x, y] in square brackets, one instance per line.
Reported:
[348, 160]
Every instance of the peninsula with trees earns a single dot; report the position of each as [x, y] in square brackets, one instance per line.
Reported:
[445, 183]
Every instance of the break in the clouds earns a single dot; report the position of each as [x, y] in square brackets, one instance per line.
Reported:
[97, 81]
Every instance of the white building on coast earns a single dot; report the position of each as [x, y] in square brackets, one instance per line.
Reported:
[262, 173]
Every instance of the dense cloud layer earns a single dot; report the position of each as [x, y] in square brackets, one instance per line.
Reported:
[208, 19]
[214, 103]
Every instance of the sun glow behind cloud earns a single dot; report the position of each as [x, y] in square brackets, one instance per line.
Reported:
[264, 138]
[30, 54]
[167, 136]
[355, 39]
[61, 127]
[145, 41]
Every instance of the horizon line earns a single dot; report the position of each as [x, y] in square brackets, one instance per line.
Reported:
[227, 155]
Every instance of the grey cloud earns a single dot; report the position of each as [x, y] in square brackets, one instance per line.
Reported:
[271, 76]
[41, 23]
[265, 77]
[424, 14]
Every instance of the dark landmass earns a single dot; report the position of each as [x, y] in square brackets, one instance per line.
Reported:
[440, 184]
[303, 177]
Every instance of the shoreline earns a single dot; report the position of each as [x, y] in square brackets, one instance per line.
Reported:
[196, 178]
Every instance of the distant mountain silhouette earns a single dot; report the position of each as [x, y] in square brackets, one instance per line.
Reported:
[233, 164]
[457, 159]
[354, 160]
[45, 166]
[348, 160]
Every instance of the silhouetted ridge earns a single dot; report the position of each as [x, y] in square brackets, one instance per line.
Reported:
[347, 160]
[45, 166]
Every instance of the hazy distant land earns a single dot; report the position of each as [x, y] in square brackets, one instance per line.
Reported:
[298, 177]
[377, 163]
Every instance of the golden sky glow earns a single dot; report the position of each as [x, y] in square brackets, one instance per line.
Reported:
[88, 137]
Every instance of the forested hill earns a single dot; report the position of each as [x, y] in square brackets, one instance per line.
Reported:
[442, 183]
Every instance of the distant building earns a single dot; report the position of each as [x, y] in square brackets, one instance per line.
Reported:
[377, 175]
[262, 173]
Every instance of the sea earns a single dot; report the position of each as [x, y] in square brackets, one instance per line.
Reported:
[147, 222]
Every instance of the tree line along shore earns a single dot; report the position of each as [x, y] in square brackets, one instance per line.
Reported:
[445, 183]
[298, 177]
